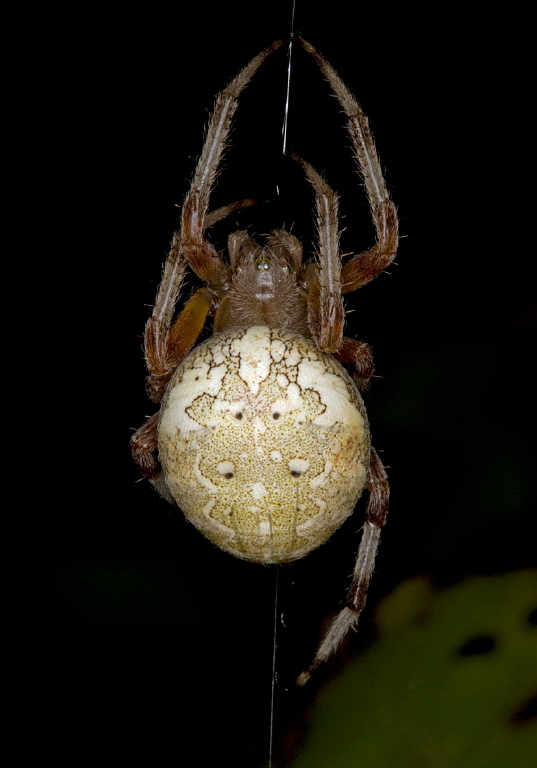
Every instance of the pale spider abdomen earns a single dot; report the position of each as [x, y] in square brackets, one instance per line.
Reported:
[264, 443]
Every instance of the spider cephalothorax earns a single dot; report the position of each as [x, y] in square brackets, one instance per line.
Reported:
[262, 437]
[265, 286]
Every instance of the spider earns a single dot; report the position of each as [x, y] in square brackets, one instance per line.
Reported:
[262, 437]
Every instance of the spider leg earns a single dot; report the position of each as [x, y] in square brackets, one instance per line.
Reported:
[326, 315]
[358, 354]
[377, 510]
[199, 253]
[164, 351]
[144, 444]
[165, 346]
[365, 266]
[218, 214]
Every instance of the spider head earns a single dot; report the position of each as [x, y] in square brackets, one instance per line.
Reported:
[261, 267]
[247, 253]
[265, 287]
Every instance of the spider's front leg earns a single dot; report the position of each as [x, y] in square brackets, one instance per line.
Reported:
[377, 510]
[365, 266]
[199, 253]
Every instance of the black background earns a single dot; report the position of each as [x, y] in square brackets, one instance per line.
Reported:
[154, 646]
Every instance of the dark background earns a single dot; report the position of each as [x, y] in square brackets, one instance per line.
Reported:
[155, 645]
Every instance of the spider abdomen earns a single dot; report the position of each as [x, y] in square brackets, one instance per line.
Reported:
[264, 443]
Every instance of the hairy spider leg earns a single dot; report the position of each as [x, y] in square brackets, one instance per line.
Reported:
[199, 253]
[326, 315]
[376, 513]
[358, 354]
[364, 266]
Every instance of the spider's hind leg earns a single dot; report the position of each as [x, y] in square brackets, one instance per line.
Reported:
[377, 510]
[198, 251]
[144, 444]
[358, 354]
